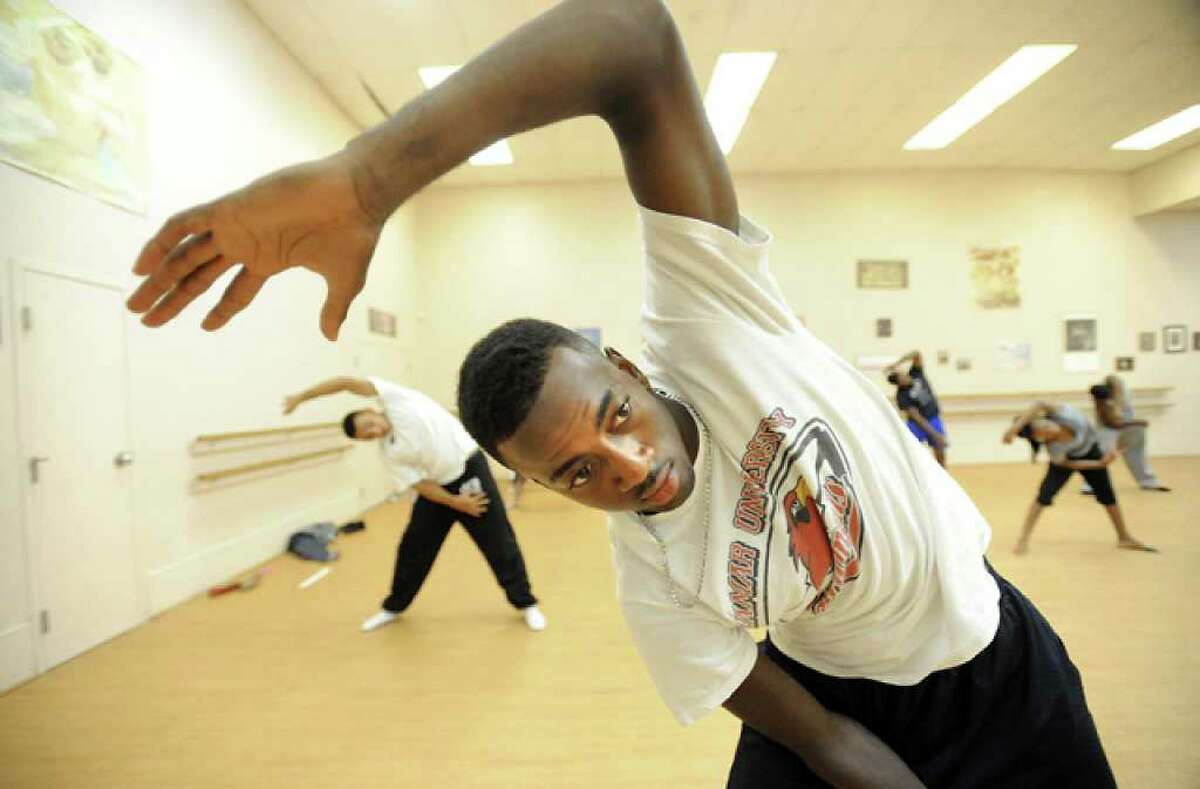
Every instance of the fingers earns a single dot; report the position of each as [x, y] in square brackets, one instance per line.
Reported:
[176, 229]
[186, 291]
[337, 304]
[237, 297]
[185, 258]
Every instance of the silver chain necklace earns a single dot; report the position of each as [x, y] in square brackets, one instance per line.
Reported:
[672, 586]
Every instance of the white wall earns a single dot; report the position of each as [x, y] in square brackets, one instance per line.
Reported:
[224, 103]
[1168, 183]
[570, 253]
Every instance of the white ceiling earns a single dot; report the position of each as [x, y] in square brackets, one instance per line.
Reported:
[853, 81]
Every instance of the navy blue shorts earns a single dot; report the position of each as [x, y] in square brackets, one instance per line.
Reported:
[1014, 717]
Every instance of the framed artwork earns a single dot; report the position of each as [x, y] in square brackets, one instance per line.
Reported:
[1146, 341]
[1174, 339]
[962, 364]
[995, 273]
[72, 106]
[1079, 334]
[1124, 364]
[883, 327]
[1196, 341]
[887, 274]
[380, 322]
[943, 357]
[1081, 344]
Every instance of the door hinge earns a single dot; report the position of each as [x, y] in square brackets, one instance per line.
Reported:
[26, 318]
[45, 621]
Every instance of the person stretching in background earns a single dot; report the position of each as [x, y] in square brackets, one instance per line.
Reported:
[427, 449]
[1117, 428]
[918, 403]
[1073, 445]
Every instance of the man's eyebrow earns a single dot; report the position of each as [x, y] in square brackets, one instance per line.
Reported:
[601, 409]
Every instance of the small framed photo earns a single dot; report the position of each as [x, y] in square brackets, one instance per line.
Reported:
[1079, 334]
[1124, 364]
[1174, 339]
[943, 357]
[962, 364]
[883, 327]
[889, 274]
[1146, 341]
[380, 322]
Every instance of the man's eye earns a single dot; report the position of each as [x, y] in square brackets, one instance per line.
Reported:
[623, 412]
[581, 477]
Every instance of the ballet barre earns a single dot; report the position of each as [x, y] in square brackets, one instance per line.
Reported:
[210, 477]
[216, 438]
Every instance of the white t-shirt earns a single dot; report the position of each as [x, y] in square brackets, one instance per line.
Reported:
[830, 524]
[426, 441]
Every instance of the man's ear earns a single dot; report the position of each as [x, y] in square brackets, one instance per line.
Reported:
[626, 366]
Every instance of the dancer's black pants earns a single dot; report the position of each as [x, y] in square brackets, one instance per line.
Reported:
[492, 533]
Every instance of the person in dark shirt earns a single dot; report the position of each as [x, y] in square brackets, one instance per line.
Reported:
[918, 403]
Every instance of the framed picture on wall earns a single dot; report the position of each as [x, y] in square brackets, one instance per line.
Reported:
[1196, 341]
[1146, 341]
[883, 327]
[380, 322]
[1174, 339]
[890, 274]
[1124, 364]
[1081, 343]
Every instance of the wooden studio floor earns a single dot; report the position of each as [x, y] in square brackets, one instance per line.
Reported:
[276, 687]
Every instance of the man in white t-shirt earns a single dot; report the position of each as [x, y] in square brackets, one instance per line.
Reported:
[755, 478]
[426, 449]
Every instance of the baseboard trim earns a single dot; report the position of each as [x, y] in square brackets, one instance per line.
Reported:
[174, 583]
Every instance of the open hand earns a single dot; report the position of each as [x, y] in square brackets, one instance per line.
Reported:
[308, 215]
[473, 504]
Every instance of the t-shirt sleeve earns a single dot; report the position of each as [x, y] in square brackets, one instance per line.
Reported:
[387, 392]
[695, 659]
[698, 270]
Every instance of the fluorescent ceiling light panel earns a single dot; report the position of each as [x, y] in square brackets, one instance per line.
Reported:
[736, 81]
[1164, 131]
[1021, 70]
[497, 153]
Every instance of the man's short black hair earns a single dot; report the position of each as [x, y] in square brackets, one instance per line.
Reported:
[348, 424]
[501, 377]
[893, 379]
[1100, 392]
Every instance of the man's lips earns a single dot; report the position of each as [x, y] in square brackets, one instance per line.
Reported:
[656, 486]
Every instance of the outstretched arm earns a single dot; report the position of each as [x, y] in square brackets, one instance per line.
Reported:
[910, 358]
[1088, 465]
[621, 60]
[838, 749]
[1036, 410]
[358, 386]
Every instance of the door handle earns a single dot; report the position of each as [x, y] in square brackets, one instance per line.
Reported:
[34, 463]
[123, 458]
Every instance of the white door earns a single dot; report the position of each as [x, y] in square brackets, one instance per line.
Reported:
[75, 439]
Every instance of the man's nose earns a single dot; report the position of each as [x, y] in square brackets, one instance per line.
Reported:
[630, 460]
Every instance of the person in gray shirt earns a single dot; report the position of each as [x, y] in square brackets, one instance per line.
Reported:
[1073, 445]
[1117, 426]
